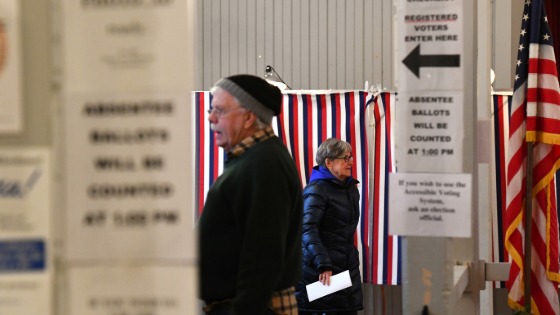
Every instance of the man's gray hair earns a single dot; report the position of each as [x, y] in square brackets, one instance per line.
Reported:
[259, 124]
[246, 100]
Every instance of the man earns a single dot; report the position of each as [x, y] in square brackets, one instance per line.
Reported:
[250, 227]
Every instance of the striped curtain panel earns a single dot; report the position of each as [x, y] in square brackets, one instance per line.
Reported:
[307, 119]
[209, 157]
[385, 259]
[501, 103]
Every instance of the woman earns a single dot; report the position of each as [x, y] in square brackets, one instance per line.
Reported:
[331, 213]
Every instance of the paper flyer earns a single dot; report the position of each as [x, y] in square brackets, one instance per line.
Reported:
[126, 177]
[25, 213]
[125, 45]
[133, 290]
[339, 281]
[11, 120]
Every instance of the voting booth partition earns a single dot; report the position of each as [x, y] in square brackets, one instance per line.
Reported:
[364, 120]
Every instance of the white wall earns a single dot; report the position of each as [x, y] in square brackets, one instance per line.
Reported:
[312, 44]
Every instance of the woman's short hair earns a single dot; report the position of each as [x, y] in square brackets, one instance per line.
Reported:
[331, 148]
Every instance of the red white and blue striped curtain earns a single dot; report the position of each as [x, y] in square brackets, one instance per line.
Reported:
[385, 259]
[307, 119]
[209, 157]
[501, 104]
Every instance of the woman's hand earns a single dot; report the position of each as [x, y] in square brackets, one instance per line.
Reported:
[325, 277]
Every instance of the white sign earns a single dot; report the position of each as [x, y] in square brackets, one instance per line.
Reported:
[26, 294]
[10, 67]
[430, 204]
[429, 40]
[125, 45]
[133, 290]
[126, 177]
[25, 212]
[24, 193]
[430, 133]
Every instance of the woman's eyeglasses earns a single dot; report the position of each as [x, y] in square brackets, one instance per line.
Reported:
[346, 158]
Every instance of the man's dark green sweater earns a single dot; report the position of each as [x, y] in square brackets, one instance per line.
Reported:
[250, 229]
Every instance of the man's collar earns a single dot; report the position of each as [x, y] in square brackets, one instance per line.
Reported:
[248, 142]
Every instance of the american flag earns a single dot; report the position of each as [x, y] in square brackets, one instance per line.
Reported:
[535, 117]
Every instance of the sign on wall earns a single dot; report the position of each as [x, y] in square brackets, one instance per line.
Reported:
[430, 204]
[429, 136]
[132, 290]
[25, 212]
[429, 40]
[430, 70]
[429, 196]
[125, 45]
[10, 68]
[126, 177]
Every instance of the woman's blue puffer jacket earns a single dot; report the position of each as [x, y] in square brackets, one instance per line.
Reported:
[331, 213]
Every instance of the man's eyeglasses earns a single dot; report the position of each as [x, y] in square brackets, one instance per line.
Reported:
[219, 112]
[346, 158]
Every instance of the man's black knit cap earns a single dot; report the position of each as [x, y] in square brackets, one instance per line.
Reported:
[254, 93]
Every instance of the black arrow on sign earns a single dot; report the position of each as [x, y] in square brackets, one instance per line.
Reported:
[414, 61]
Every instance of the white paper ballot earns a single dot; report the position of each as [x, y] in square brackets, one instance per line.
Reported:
[338, 282]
